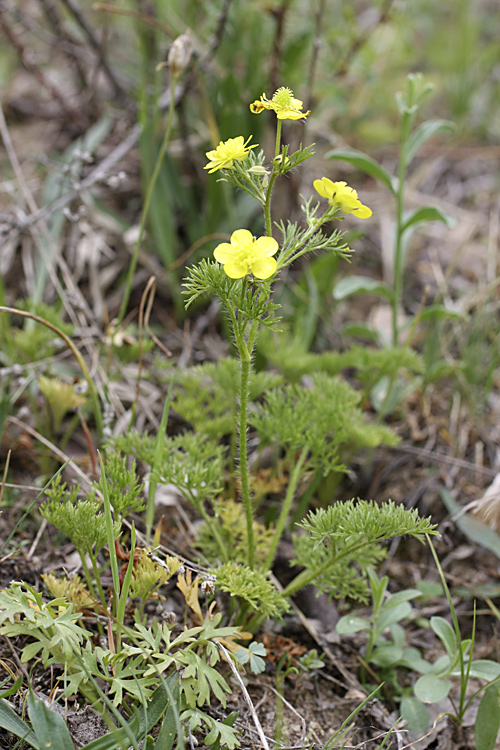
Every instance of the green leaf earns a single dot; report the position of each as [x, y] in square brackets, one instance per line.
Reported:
[414, 713]
[391, 615]
[427, 213]
[386, 656]
[422, 134]
[438, 312]
[365, 163]
[484, 669]
[446, 634]
[350, 285]
[351, 624]
[11, 722]
[50, 728]
[402, 596]
[488, 719]
[361, 331]
[431, 689]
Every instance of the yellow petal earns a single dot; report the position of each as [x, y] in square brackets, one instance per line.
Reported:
[363, 212]
[236, 269]
[324, 187]
[263, 268]
[266, 245]
[224, 252]
[241, 238]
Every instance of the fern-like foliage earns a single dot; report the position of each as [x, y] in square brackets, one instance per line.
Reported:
[81, 519]
[253, 587]
[208, 395]
[207, 277]
[323, 418]
[136, 444]
[124, 486]
[233, 531]
[370, 365]
[342, 541]
[195, 466]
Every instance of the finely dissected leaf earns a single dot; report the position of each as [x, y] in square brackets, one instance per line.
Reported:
[366, 164]
[431, 689]
[49, 727]
[343, 541]
[253, 587]
[487, 722]
[350, 285]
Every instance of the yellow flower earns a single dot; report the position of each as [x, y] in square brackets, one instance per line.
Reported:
[227, 152]
[341, 195]
[283, 103]
[246, 254]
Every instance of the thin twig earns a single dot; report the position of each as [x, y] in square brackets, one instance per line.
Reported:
[441, 457]
[96, 44]
[246, 696]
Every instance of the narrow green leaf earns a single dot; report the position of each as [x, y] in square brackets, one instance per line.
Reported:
[427, 213]
[425, 131]
[365, 163]
[488, 719]
[49, 727]
[431, 689]
[11, 722]
[360, 285]
[446, 635]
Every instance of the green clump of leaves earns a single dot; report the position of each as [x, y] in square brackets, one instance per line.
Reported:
[208, 395]
[253, 588]
[343, 541]
[123, 486]
[234, 535]
[34, 341]
[80, 519]
[323, 418]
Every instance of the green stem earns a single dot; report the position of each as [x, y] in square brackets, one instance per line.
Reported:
[308, 576]
[214, 529]
[285, 510]
[97, 578]
[147, 203]
[245, 489]
[398, 251]
[272, 180]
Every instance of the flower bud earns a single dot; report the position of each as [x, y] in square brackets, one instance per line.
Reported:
[180, 54]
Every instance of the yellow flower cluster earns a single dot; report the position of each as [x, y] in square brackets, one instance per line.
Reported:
[227, 152]
[344, 197]
[283, 103]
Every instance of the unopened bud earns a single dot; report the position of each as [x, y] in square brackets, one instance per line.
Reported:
[180, 53]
